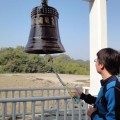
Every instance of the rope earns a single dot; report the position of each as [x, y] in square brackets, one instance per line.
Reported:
[76, 99]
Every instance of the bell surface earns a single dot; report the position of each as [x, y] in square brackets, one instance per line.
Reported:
[44, 35]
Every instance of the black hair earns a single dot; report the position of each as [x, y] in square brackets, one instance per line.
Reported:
[110, 58]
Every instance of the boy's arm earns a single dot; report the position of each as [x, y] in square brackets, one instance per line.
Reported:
[88, 98]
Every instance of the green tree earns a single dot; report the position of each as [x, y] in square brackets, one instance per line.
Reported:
[15, 60]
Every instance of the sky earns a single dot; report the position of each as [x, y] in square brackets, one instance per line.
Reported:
[15, 24]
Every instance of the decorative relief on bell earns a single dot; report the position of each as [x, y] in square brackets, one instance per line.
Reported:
[41, 20]
[52, 21]
[47, 20]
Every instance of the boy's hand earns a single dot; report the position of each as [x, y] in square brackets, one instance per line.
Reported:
[91, 110]
[78, 92]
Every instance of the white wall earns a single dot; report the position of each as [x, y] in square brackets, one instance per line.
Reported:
[98, 39]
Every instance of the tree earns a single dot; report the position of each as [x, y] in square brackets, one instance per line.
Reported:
[15, 60]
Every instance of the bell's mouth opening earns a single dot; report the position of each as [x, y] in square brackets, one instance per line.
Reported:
[43, 51]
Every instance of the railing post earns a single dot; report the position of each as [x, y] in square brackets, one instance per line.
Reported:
[3, 111]
[80, 110]
[53, 100]
[24, 110]
[14, 111]
[19, 93]
[65, 109]
[57, 112]
[48, 100]
[42, 110]
[86, 108]
[33, 110]
[72, 104]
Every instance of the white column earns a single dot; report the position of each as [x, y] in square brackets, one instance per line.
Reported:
[98, 39]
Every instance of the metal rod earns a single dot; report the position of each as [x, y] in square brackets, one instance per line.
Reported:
[44, 2]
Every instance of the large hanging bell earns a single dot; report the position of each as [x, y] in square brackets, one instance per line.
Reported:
[44, 35]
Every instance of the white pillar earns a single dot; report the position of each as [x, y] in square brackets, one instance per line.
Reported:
[98, 39]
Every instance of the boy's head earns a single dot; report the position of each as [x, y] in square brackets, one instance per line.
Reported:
[110, 58]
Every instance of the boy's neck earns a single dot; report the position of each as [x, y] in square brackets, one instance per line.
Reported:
[105, 75]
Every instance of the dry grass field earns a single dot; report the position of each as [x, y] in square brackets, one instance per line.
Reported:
[38, 80]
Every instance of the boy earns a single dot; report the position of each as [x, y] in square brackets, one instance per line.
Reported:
[107, 103]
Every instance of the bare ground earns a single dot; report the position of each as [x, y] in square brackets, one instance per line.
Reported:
[38, 80]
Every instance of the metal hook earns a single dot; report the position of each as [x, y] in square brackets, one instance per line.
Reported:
[44, 2]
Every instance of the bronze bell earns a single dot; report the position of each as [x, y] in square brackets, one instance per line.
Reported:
[44, 35]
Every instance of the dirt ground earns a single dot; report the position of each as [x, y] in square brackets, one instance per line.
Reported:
[38, 80]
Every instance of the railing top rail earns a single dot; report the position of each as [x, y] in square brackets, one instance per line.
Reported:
[26, 89]
[4, 100]
[17, 89]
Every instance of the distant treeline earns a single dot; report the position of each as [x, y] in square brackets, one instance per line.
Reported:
[15, 60]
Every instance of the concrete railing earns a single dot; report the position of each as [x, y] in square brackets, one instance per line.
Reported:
[35, 103]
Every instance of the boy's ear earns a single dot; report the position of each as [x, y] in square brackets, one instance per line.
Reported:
[102, 67]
